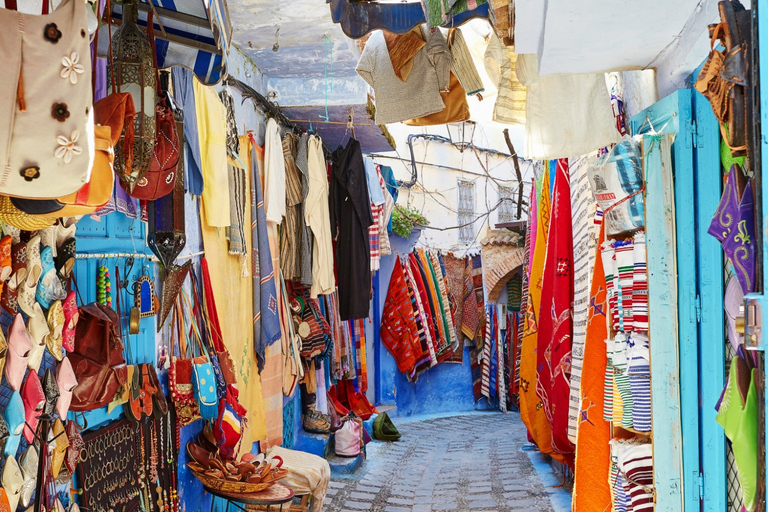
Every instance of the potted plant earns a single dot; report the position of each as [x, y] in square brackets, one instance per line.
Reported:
[405, 220]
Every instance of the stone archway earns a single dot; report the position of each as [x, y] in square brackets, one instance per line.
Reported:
[502, 257]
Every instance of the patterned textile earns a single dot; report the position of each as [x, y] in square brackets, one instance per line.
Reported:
[636, 466]
[639, 371]
[398, 325]
[583, 208]
[533, 222]
[553, 355]
[515, 292]
[625, 266]
[233, 143]
[290, 241]
[266, 319]
[591, 488]
[607, 253]
[531, 406]
[236, 230]
[373, 236]
[386, 214]
[477, 373]
[317, 217]
[640, 284]
[426, 307]
[477, 283]
[362, 364]
[462, 64]
[421, 347]
[439, 268]
[470, 309]
[621, 380]
[454, 269]
[341, 361]
[485, 389]
[501, 362]
[619, 497]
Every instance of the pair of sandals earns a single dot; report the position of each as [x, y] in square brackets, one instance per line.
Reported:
[145, 396]
[18, 488]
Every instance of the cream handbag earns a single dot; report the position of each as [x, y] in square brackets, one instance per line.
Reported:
[46, 102]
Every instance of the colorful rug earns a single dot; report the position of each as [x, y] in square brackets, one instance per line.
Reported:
[455, 268]
[555, 321]
[531, 406]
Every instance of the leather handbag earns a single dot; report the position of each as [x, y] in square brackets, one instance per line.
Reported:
[160, 177]
[347, 439]
[456, 107]
[724, 77]
[46, 102]
[98, 359]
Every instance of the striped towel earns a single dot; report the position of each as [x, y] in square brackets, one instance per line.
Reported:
[625, 265]
[608, 387]
[486, 356]
[621, 500]
[636, 465]
[640, 284]
[609, 264]
[640, 382]
[621, 379]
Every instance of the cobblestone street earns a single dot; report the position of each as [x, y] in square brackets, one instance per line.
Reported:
[462, 463]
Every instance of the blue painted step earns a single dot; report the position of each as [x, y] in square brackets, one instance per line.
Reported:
[316, 444]
[344, 467]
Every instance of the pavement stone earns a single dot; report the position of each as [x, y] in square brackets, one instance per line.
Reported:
[470, 463]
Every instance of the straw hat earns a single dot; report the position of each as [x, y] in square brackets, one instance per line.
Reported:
[9, 214]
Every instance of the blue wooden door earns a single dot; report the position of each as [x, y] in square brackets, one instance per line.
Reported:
[116, 234]
[685, 300]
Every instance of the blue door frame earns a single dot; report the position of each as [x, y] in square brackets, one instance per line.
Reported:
[685, 299]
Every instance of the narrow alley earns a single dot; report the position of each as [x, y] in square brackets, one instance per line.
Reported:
[473, 462]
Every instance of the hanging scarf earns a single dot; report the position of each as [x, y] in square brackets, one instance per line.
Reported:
[420, 345]
[531, 407]
[553, 354]
[591, 489]
[398, 326]
[266, 320]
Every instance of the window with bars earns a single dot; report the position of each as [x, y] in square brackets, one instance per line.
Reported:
[466, 211]
[507, 209]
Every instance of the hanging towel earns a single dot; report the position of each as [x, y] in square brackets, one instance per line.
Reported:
[640, 382]
[274, 173]
[462, 64]
[625, 266]
[640, 284]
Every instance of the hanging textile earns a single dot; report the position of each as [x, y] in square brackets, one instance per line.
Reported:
[501, 361]
[293, 255]
[485, 389]
[591, 490]
[470, 312]
[212, 131]
[350, 219]
[317, 218]
[422, 302]
[233, 293]
[266, 319]
[398, 326]
[531, 406]
[555, 321]
[477, 283]
[184, 94]
[583, 207]
[236, 230]
[362, 365]
[640, 284]
[274, 173]
[438, 266]
[454, 269]
[421, 349]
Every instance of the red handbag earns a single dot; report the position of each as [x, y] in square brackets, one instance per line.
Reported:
[160, 178]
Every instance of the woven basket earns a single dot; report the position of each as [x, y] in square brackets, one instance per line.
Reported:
[229, 486]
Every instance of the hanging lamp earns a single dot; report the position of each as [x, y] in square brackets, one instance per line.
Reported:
[133, 71]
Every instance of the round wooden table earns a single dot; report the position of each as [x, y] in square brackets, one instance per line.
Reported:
[277, 494]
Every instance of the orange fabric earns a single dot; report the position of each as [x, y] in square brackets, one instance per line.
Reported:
[531, 407]
[591, 490]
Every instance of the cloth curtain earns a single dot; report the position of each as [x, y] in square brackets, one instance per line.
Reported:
[212, 132]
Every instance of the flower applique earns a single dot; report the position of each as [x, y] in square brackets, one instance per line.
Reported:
[72, 67]
[30, 173]
[60, 112]
[52, 34]
[68, 147]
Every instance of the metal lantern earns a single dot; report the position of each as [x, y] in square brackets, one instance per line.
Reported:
[134, 72]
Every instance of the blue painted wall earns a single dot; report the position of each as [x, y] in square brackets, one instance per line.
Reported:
[444, 388]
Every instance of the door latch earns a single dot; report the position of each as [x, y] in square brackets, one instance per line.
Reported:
[751, 324]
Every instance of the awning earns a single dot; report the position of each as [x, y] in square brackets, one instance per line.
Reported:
[195, 34]
[359, 18]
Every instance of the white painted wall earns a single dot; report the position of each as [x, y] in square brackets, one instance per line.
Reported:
[435, 194]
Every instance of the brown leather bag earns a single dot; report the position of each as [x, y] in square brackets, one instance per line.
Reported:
[98, 358]
[456, 107]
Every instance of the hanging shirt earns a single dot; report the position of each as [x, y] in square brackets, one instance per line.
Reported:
[184, 94]
[317, 218]
[350, 219]
[274, 174]
[212, 131]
